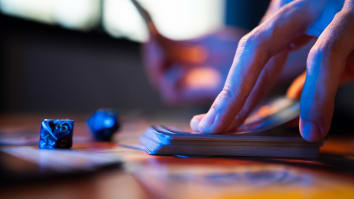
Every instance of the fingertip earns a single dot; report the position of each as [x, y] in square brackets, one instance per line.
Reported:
[194, 123]
[206, 123]
[310, 131]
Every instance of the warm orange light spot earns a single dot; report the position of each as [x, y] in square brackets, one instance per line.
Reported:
[194, 55]
[202, 78]
[295, 89]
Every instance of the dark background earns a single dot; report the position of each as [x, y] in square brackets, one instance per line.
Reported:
[47, 68]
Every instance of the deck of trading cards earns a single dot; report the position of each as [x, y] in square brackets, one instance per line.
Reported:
[255, 138]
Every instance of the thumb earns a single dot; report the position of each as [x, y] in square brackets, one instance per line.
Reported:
[295, 89]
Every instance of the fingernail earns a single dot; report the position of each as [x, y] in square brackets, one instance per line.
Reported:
[206, 122]
[310, 131]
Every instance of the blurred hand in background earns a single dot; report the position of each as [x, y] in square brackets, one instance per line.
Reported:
[190, 71]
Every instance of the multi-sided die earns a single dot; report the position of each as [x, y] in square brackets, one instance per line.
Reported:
[56, 134]
[103, 124]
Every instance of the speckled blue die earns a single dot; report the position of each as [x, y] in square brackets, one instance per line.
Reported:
[56, 134]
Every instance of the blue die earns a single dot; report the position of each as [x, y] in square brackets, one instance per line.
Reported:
[103, 124]
[56, 134]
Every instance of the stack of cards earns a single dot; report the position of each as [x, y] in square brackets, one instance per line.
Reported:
[253, 139]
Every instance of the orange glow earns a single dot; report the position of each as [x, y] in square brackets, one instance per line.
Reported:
[193, 54]
[202, 78]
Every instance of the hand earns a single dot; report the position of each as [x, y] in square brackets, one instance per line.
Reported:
[182, 70]
[260, 57]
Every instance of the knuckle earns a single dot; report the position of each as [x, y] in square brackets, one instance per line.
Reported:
[244, 41]
[251, 41]
[347, 13]
[226, 93]
[349, 7]
[325, 52]
[224, 96]
[320, 53]
[254, 42]
[315, 55]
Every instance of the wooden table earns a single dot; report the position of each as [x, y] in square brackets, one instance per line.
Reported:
[145, 176]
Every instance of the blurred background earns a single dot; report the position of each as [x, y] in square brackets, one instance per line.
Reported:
[62, 56]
